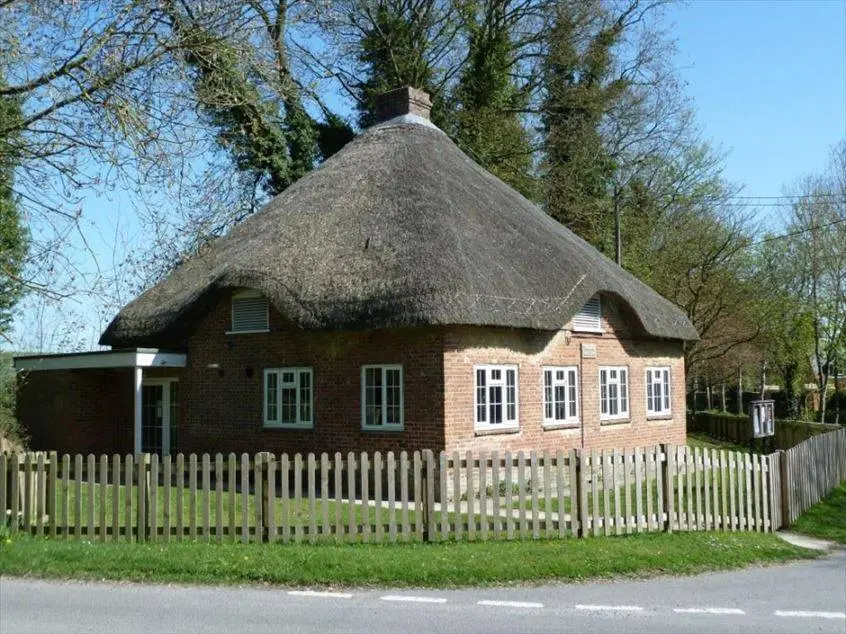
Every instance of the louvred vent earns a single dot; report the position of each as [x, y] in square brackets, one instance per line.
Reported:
[588, 318]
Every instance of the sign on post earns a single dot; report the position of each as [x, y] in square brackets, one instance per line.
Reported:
[762, 417]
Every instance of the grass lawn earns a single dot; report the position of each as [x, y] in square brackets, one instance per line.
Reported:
[706, 442]
[410, 565]
[826, 520]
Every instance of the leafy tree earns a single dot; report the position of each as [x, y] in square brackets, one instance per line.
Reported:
[487, 102]
[813, 263]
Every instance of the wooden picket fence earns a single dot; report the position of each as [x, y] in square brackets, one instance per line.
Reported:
[391, 497]
[809, 471]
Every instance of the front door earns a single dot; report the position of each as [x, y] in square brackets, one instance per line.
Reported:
[159, 421]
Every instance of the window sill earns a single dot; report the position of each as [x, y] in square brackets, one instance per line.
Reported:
[614, 421]
[560, 425]
[588, 333]
[661, 416]
[496, 431]
[285, 426]
[245, 332]
[383, 430]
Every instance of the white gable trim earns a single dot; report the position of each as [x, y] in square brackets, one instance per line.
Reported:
[140, 358]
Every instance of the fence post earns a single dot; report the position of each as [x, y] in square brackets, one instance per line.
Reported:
[669, 452]
[429, 479]
[784, 485]
[580, 508]
[424, 508]
[263, 462]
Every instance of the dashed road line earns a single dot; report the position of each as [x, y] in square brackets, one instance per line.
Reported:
[610, 608]
[320, 593]
[727, 611]
[811, 615]
[510, 604]
[412, 599]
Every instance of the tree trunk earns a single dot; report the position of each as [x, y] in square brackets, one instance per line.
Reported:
[723, 396]
[740, 391]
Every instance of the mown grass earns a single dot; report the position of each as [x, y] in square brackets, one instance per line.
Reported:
[399, 565]
[826, 520]
[706, 442]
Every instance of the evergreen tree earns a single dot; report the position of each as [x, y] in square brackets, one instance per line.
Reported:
[394, 51]
[486, 119]
[13, 235]
[579, 91]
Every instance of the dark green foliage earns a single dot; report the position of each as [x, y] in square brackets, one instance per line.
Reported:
[393, 52]
[580, 91]
[248, 126]
[13, 235]
[487, 103]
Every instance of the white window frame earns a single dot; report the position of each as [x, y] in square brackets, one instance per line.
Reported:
[666, 380]
[506, 424]
[248, 294]
[277, 422]
[621, 414]
[568, 420]
[598, 328]
[384, 425]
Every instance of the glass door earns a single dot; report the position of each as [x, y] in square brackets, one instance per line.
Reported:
[159, 422]
[152, 417]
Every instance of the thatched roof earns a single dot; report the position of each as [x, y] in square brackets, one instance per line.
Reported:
[399, 228]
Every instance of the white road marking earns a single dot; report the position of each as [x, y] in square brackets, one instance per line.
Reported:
[611, 608]
[811, 615]
[401, 597]
[318, 593]
[708, 611]
[511, 604]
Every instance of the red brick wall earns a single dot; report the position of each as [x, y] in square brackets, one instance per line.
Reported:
[622, 343]
[77, 411]
[222, 406]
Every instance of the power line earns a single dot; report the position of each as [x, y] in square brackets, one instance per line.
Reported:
[797, 232]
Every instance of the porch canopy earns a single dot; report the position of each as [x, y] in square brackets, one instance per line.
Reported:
[138, 359]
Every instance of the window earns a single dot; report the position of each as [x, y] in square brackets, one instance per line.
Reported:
[588, 319]
[249, 312]
[288, 397]
[560, 395]
[657, 390]
[613, 393]
[381, 397]
[496, 396]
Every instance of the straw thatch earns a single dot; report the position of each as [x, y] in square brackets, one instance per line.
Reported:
[400, 228]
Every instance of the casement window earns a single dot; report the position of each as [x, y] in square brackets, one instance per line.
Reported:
[589, 318]
[658, 390]
[613, 393]
[560, 395]
[289, 397]
[496, 397]
[249, 312]
[381, 397]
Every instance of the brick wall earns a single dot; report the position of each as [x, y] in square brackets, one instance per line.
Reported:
[77, 411]
[622, 343]
[221, 390]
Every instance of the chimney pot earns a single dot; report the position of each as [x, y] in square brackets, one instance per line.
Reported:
[405, 100]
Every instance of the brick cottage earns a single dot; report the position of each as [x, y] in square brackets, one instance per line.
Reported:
[397, 297]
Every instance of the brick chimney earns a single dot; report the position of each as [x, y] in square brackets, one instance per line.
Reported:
[405, 100]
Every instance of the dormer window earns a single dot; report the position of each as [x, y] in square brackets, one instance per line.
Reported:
[589, 318]
[249, 312]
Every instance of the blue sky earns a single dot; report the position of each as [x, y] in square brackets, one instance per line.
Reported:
[768, 81]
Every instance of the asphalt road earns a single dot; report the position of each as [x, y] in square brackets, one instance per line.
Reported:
[801, 597]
